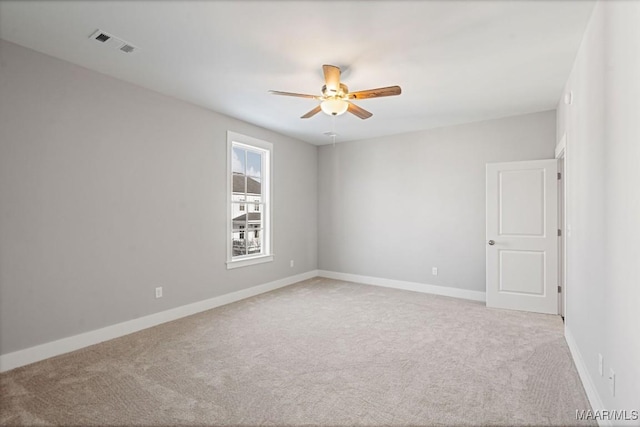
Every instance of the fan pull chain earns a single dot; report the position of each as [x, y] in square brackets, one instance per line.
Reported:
[333, 130]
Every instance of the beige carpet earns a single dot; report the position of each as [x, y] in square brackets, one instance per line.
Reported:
[321, 352]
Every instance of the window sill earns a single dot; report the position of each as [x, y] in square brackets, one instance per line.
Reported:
[249, 261]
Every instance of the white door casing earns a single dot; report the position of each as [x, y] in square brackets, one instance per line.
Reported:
[522, 233]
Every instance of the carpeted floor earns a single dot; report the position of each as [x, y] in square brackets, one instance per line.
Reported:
[321, 352]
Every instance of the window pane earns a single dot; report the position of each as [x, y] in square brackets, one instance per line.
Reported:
[239, 232]
[254, 219]
[238, 167]
[238, 215]
[254, 186]
[239, 225]
[254, 164]
[238, 161]
[239, 246]
[254, 236]
[254, 173]
[239, 185]
[254, 245]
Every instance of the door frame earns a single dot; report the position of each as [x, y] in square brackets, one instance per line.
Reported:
[561, 156]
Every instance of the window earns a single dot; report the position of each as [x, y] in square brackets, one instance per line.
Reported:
[249, 231]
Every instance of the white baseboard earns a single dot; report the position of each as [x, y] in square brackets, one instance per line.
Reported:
[54, 348]
[587, 381]
[407, 286]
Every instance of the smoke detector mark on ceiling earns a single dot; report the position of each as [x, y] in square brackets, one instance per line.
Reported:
[112, 41]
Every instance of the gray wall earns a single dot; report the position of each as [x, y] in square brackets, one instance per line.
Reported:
[603, 201]
[394, 207]
[108, 190]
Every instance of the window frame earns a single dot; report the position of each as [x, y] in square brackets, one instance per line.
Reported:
[266, 148]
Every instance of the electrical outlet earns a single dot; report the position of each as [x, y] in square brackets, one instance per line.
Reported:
[291, 263]
[600, 364]
[434, 271]
[159, 292]
[612, 382]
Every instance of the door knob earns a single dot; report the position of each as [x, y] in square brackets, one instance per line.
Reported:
[491, 242]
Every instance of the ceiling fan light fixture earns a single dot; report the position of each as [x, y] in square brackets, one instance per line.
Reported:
[334, 106]
[335, 99]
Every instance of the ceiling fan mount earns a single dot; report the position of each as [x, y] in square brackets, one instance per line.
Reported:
[336, 98]
[340, 92]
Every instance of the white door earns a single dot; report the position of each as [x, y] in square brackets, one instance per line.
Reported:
[522, 235]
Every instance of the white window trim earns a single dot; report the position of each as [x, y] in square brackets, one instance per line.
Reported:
[267, 231]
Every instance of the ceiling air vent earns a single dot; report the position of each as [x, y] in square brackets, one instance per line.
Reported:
[112, 41]
[102, 37]
[127, 48]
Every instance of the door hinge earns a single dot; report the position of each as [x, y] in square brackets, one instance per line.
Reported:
[559, 175]
[559, 289]
[559, 232]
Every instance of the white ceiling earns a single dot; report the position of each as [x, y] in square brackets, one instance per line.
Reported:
[456, 61]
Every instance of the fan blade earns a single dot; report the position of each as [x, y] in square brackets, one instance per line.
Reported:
[331, 77]
[299, 95]
[360, 112]
[376, 93]
[311, 113]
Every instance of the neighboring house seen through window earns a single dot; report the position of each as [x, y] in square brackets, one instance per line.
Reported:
[249, 183]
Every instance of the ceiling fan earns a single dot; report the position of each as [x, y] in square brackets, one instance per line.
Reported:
[336, 98]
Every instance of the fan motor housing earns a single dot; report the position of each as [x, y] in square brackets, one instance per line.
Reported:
[344, 90]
